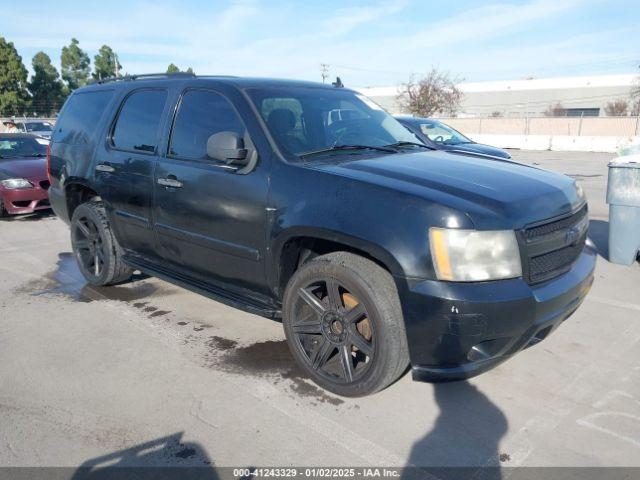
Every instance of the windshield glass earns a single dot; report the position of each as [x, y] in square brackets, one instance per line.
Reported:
[21, 147]
[307, 119]
[441, 133]
[38, 127]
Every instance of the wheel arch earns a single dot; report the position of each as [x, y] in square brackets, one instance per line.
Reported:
[300, 244]
[76, 193]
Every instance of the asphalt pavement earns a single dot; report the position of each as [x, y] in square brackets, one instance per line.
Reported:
[147, 373]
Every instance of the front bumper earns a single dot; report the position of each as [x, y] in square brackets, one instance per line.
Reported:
[459, 330]
[25, 200]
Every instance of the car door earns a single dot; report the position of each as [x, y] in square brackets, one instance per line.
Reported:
[124, 168]
[210, 218]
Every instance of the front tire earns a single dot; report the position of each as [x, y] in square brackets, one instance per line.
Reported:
[344, 325]
[96, 249]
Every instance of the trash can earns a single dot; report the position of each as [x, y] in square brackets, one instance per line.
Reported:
[623, 197]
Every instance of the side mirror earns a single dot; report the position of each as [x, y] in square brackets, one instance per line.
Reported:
[227, 147]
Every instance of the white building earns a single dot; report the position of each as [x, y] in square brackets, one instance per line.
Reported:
[579, 96]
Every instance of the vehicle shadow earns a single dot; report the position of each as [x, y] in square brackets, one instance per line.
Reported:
[599, 234]
[166, 457]
[464, 441]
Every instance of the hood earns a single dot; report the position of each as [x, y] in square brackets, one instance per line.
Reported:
[479, 148]
[492, 193]
[23, 167]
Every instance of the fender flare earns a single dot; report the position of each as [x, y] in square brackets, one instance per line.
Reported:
[375, 251]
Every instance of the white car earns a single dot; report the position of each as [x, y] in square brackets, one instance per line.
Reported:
[42, 128]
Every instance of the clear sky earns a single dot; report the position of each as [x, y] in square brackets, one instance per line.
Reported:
[365, 42]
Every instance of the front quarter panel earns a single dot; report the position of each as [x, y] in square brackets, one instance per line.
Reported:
[390, 225]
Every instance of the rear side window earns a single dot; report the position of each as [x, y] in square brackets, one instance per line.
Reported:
[138, 121]
[202, 113]
[79, 119]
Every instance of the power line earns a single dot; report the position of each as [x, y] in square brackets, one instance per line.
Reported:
[324, 71]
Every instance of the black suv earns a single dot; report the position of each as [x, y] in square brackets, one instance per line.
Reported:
[310, 203]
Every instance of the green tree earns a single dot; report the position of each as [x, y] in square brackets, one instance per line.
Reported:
[105, 64]
[75, 65]
[46, 88]
[13, 80]
[172, 68]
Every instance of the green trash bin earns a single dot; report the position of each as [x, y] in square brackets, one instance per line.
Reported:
[623, 197]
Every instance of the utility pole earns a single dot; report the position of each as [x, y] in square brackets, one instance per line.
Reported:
[324, 71]
[115, 57]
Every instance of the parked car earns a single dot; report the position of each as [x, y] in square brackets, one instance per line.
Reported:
[23, 174]
[375, 251]
[442, 137]
[42, 128]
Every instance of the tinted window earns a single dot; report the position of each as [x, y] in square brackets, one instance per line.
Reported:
[138, 121]
[79, 117]
[38, 127]
[21, 147]
[201, 114]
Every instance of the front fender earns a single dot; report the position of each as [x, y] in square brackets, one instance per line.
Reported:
[376, 252]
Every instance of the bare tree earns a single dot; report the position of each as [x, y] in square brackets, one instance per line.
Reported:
[556, 110]
[617, 108]
[435, 93]
[635, 98]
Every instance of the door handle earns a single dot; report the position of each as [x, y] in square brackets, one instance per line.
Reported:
[170, 181]
[105, 167]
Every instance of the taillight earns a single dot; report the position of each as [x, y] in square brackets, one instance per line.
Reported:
[49, 164]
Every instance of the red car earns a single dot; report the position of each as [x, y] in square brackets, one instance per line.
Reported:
[23, 174]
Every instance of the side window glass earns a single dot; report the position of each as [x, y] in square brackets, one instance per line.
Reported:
[201, 114]
[80, 116]
[284, 117]
[137, 124]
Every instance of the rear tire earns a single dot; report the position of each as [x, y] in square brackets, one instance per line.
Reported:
[95, 247]
[344, 325]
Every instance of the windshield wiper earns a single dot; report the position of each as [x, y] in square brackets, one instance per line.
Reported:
[409, 144]
[338, 148]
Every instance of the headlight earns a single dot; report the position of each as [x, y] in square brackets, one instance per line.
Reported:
[472, 255]
[15, 183]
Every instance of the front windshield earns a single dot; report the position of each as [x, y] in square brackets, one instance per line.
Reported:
[11, 147]
[38, 127]
[308, 119]
[440, 133]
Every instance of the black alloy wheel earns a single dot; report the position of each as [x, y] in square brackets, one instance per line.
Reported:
[333, 331]
[89, 246]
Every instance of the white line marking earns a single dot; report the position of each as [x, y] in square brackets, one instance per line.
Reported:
[614, 303]
[588, 422]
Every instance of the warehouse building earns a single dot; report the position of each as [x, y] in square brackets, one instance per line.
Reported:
[578, 96]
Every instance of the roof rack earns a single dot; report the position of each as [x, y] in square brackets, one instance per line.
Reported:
[145, 75]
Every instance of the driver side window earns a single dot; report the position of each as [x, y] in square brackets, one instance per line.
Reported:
[202, 113]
